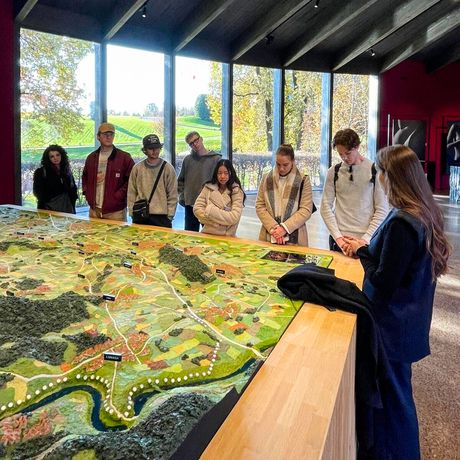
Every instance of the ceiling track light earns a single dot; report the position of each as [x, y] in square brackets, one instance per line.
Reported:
[372, 52]
[317, 4]
[144, 10]
[269, 39]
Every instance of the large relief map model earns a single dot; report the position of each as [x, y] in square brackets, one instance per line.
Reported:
[191, 318]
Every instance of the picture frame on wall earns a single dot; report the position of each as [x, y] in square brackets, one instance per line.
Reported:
[453, 143]
[411, 133]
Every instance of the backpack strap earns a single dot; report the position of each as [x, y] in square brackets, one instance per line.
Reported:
[336, 173]
[374, 173]
[156, 181]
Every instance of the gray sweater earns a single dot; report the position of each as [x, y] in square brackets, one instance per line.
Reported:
[195, 171]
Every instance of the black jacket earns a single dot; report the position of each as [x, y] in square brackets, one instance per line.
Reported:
[320, 286]
[49, 183]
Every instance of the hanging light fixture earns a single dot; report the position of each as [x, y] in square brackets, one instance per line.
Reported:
[144, 10]
[317, 4]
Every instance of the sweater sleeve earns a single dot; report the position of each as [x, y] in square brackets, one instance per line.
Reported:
[171, 191]
[380, 210]
[398, 249]
[181, 182]
[224, 217]
[132, 190]
[199, 208]
[327, 204]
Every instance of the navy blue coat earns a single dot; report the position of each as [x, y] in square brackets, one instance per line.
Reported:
[398, 282]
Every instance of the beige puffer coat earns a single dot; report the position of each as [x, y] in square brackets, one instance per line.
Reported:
[219, 212]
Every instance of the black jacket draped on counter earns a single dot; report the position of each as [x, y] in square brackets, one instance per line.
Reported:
[320, 286]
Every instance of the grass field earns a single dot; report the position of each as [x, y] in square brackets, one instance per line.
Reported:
[130, 131]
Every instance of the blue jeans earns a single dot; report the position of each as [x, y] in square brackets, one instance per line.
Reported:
[191, 222]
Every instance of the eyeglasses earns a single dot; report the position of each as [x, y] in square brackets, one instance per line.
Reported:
[107, 134]
[350, 170]
[192, 143]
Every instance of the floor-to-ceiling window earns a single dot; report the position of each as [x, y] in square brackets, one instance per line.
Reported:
[198, 104]
[302, 120]
[57, 87]
[354, 104]
[252, 123]
[135, 96]
[58, 105]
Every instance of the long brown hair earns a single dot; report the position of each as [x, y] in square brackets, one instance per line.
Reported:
[408, 189]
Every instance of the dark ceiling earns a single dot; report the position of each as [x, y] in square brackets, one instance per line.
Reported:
[346, 36]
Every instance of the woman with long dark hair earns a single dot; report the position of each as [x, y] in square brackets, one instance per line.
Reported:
[54, 184]
[402, 262]
[220, 203]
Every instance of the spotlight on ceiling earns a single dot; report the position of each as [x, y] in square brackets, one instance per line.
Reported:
[269, 39]
[317, 4]
[372, 52]
[144, 10]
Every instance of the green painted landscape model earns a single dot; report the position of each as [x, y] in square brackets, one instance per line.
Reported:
[116, 340]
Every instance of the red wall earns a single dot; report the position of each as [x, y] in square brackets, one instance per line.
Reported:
[7, 182]
[407, 92]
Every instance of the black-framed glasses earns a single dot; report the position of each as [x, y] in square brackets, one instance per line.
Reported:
[192, 143]
[350, 171]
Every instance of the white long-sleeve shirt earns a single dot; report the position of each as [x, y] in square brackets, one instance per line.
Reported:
[356, 207]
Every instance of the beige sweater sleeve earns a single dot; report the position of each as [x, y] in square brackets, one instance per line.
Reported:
[199, 208]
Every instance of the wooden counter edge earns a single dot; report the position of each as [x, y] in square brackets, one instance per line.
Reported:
[300, 404]
[336, 439]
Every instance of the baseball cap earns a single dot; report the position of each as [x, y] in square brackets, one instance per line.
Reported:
[106, 127]
[151, 141]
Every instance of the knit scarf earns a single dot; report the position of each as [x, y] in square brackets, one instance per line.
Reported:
[286, 204]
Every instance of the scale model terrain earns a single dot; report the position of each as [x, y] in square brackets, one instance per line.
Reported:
[115, 340]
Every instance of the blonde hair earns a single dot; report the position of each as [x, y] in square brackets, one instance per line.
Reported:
[408, 189]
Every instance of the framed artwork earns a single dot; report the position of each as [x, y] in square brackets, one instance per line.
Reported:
[411, 133]
[453, 143]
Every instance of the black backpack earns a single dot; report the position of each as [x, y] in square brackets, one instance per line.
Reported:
[336, 173]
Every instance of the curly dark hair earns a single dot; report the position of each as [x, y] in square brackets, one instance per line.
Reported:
[232, 178]
[46, 162]
[346, 137]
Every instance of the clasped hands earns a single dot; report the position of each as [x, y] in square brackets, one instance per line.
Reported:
[278, 232]
[350, 245]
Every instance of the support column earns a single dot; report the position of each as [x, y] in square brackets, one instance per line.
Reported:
[278, 110]
[227, 111]
[170, 109]
[326, 126]
[100, 55]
